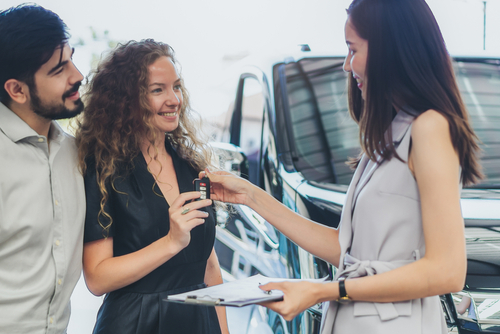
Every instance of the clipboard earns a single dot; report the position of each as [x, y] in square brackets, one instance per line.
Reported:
[210, 301]
[236, 293]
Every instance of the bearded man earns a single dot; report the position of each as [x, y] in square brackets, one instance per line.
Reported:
[42, 202]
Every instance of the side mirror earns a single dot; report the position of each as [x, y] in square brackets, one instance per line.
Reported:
[230, 158]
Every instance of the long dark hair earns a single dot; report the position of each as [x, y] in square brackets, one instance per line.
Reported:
[408, 67]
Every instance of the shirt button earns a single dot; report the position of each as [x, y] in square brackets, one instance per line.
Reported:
[40, 140]
[56, 202]
[51, 320]
[59, 281]
[57, 242]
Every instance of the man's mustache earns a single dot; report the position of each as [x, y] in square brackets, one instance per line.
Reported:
[72, 90]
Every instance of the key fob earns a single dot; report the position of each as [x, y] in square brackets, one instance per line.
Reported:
[203, 186]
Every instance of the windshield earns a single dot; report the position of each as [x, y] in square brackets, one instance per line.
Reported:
[324, 136]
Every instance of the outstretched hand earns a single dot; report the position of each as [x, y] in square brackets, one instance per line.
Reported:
[298, 297]
[227, 187]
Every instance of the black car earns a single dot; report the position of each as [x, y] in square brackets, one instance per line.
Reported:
[289, 118]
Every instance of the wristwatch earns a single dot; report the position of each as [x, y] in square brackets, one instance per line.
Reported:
[343, 296]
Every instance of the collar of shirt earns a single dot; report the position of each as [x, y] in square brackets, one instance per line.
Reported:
[16, 129]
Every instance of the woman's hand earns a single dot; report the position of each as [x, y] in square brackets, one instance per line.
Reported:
[298, 297]
[227, 187]
[105, 272]
[184, 217]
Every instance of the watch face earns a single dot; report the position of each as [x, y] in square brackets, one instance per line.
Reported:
[344, 300]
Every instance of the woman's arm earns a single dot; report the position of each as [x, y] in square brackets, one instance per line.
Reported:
[318, 239]
[435, 165]
[213, 276]
[104, 272]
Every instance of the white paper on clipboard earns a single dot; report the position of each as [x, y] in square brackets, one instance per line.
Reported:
[236, 293]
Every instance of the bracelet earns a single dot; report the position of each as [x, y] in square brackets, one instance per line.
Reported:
[343, 296]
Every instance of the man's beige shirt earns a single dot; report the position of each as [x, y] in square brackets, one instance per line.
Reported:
[42, 212]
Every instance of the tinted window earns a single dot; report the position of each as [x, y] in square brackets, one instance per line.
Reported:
[252, 109]
[479, 83]
[323, 136]
[322, 130]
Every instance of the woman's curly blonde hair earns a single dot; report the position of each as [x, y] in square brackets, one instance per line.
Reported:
[118, 117]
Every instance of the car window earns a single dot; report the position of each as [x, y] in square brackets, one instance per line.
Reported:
[252, 110]
[479, 83]
[322, 135]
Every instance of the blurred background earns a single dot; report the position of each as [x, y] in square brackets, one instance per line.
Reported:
[211, 37]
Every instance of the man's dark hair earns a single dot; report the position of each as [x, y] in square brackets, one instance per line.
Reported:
[29, 35]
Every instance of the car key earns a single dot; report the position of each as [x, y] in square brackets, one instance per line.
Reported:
[203, 186]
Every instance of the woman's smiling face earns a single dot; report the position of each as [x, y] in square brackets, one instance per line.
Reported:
[165, 94]
[355, 61]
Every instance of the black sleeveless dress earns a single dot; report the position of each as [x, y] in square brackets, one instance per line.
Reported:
[140, 217]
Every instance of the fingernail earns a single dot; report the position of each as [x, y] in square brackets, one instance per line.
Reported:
[206, 214]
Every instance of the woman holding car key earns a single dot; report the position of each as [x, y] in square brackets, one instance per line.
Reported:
[400, 243]
[147, 233]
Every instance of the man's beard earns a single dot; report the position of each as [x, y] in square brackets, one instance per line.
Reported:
[56, 111]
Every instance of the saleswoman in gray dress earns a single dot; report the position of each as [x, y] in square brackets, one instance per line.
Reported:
[401, 238]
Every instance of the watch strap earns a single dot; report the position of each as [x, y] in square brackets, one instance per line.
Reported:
[342, 291]
[343, 296]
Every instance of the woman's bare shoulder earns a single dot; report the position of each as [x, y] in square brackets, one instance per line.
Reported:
[431, 141]
[430, 123]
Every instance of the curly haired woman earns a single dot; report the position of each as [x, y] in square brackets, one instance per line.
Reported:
[145, 237]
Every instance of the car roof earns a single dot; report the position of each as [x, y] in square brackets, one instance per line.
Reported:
[266, 60]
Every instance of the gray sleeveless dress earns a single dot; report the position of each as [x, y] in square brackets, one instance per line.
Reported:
[381, 229]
